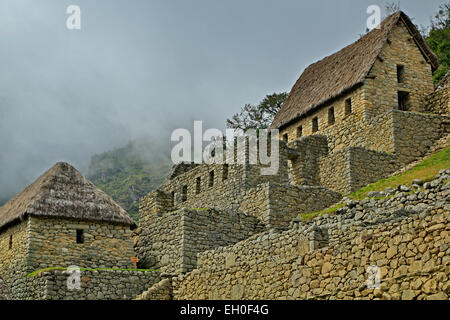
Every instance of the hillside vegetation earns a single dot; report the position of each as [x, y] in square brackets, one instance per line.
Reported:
[129, 173]
[438, 39]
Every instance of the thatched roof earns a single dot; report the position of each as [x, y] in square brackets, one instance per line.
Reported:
[343, 71]
[63, 192]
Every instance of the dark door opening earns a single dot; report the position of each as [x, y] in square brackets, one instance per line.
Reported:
[403, 101]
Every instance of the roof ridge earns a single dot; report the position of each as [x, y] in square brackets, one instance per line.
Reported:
[328, 78]
[60, 192]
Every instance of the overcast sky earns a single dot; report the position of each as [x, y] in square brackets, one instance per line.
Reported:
[142, 68]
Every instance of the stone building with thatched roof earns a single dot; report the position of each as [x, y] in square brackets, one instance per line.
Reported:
[369, 104]
[390, 68]
[351, 119]
[63, 220]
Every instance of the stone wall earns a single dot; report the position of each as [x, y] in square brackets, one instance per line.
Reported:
[381, 86]
[160, 291]
[13, 251]
[368, 166]
[53, 243]
[384, 144]
[277, 204]
[159, 241]
[215, 185]
[304, 166]
[348, 170]
[439, 101]
[345, 128]
[405, 236]
[287, 201]
[95, 285]
[334, 171]
[415, 133]
[188, 232]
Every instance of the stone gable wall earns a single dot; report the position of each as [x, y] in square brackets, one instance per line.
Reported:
[378, 94]
[381, 88]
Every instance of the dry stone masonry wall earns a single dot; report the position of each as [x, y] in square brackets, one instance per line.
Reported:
[53, 243]
[94, 285]
[404, 235]
[13, 251]
[188, 232]
[439, 101]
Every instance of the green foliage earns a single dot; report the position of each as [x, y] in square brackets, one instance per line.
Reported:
[259, 116]
[439, 42]
[438, 39]
[129, 173]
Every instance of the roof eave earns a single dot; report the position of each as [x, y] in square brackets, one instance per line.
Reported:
[319, 105]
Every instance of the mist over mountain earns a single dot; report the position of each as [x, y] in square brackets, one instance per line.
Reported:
[138, 70]
[130, 172]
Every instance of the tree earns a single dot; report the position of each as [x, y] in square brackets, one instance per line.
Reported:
[391, 8]
[259, 116]
[441, 19]
[438, 39]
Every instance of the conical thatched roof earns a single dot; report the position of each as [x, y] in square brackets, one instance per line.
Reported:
[344, 70]
[63, 192]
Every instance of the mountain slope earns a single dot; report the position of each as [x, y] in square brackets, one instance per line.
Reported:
[126, 174]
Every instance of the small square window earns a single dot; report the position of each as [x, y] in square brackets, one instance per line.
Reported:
[198, 186]
[184, 194]
[80, 236]
[315, 124]
[348, 106]
[299, 132]
[211, 179]
[331, 118]
[400, 74]
[225, 172]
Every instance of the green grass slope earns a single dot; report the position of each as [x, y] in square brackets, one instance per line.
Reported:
[425, 171]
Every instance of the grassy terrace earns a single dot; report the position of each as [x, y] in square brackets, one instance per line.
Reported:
[425, 171]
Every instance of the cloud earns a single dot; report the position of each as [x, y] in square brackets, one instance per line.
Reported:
[144, 68]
